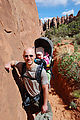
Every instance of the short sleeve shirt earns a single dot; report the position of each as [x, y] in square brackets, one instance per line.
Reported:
[33, 87]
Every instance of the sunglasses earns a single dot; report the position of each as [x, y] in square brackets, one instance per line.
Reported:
[28, 56]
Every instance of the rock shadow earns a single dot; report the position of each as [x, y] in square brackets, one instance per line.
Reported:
[19, 83]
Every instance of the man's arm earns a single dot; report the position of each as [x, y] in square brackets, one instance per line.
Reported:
[45, 98]
[9, 65]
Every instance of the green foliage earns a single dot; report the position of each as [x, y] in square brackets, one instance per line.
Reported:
[64, 30]
[74, 27]
[68, 66]
[77, 38]
[50, 33]
[75, 46]
[67, 38]
[57, 40]
[76, 93]
[72, 105]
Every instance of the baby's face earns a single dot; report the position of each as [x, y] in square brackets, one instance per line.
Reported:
[40, 56]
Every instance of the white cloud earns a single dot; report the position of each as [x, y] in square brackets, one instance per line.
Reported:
[77, 2]
[51, 2]
[45, 19]
[68, 12]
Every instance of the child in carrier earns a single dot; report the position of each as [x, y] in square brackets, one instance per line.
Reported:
[40, 54]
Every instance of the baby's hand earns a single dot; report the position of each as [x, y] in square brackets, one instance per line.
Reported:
[48, 65]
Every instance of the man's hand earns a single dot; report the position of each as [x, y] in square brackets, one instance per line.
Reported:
[44, 108]
[8, 67]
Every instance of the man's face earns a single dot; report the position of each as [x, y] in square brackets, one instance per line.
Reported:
[29, 56]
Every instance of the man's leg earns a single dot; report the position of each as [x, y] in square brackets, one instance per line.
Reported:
[30, 116]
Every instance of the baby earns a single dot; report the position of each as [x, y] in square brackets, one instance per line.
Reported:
[39, 52]
[40, 55]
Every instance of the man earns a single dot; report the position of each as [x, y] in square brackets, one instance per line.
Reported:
[34, 89]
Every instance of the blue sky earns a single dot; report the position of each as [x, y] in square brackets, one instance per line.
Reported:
[53, 8]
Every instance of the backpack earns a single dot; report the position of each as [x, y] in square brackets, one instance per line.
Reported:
[40, 62]
[37, 74]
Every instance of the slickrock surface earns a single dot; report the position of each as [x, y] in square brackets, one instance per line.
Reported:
[19, 27]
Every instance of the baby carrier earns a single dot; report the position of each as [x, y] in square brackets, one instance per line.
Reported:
[47, 61]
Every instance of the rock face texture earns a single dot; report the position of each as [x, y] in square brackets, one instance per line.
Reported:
[19, 27]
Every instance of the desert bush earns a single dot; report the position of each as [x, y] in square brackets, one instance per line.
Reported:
[62, 30]
[77, 38]
[74, 28]
[69, 67]
[57, 40]
[50, 33]
[76, 93]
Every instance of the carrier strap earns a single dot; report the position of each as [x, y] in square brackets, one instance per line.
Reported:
[37, 74]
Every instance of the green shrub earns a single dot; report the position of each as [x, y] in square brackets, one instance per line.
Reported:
[75, 46]
[62, 31]
[68, 66]
[77, 38]
[72, 105]
[50, 33]
[74, 26]
[76, 93]
[57, 40]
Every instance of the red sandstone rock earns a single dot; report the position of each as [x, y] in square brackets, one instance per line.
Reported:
[19, 27]
[63, 49]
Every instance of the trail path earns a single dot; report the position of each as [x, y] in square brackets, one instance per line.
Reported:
[58, 107]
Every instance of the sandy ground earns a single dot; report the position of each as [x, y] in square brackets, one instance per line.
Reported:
[59, 108]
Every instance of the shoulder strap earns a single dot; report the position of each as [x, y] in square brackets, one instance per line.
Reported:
[38, 73]
[23, 69]
[23, 72]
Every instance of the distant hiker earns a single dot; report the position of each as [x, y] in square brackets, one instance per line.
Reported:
[36, 83]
